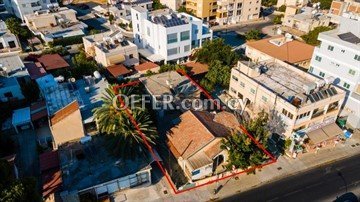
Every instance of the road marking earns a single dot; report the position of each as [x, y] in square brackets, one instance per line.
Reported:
[314, 185]
[293, 192]
[274, 199]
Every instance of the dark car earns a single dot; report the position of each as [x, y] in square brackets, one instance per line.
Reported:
[347, 197]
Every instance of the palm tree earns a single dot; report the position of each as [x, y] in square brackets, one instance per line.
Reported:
[124, 140]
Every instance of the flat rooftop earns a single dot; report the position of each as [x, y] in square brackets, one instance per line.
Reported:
[347, 33]
[87, 92]
[90, 164]
[8, 82]
[290, 84]
[167, 18]
[283, 81]
[13, 65]
[164, 83]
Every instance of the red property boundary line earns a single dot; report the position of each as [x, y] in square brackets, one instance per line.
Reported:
[155, 157]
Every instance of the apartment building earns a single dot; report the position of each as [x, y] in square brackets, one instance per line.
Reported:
[344, 8]
[203, 9]
[8, 41]
[235, 11]
[225, 11]
[339, 56]
[167, 36]
[20, 8]
[297, 3]
[305, 21]
[304, 102]
[57, 22]
[110, 48]
[172, 4]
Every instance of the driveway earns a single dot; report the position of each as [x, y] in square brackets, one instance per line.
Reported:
[27, 154]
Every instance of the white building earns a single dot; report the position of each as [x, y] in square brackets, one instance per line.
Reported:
[58, 22]
[339, 56]
[20, 8]
[8, 41]
[110, 48]
[167, 36]
[12, 73]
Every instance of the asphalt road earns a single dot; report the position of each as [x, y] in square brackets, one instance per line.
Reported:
[324, 183]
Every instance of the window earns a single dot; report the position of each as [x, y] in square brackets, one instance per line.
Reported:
[346, 85]
[238, 12]
[322, 74]
[264, 98]
[184, 35]
[357, 57]
[352, 72]
[172, 51]
[1, 46]
[131, 56]
[242, 84]
[172, 38]
[330, 48]
[195, 172]
[138, 28]
[137, 16]
[287, 114]
[306, 114]
[239, 5]
[343, 51]
[148, 31]
[311, 69]
[234, 78]
[8, 94]
[196, 31]
[187, 48]
[232, 90]
[252, 91]
[318, 58]
[12, 44]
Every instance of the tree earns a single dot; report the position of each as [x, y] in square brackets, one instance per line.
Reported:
[253, 34]
[12, 189]
[111, 18]
[268, 3]
[157, 5]
[243, 152]
[277, 19]
[82, 65]
[31, 91]
[282, 8]
[218, 75]
[124, 139]
[324, 4]
[312, 36]
[216, 50]
[182, 9]
[94, 31]
[171, 67]
[14, 25]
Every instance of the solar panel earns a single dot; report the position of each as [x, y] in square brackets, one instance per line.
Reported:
[349, 37]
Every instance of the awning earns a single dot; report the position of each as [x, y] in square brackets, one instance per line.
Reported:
[116, 59]
[322, 134]
[150, 56]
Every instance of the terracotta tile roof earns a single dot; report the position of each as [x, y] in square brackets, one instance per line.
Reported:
[146, 66]
[292, 51]
[64, 112]
[53, 61]
[49, 160]
[197, 68]
[35, 70]
[215, 149]
[51, 181]
[195, 130]
[118, 70]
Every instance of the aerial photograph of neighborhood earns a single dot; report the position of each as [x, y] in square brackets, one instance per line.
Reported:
[179, 100]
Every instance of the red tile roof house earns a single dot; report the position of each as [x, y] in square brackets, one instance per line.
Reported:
[147, 66]
[52, 62]
[118, 72]
[195, 142]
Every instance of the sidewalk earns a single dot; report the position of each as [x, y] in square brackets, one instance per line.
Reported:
[222, 27]
[284, 167]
